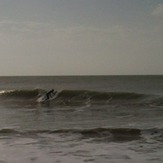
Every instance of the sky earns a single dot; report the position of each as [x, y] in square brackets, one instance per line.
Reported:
[81, 37]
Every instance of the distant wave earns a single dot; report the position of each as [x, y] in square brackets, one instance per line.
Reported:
[91, 132]
[79, 97]
[109, 134]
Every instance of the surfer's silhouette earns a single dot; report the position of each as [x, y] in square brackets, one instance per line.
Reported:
[49, 94]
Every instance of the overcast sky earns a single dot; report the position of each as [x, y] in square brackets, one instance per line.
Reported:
[81, 37]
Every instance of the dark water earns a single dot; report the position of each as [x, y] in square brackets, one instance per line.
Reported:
[92, 119]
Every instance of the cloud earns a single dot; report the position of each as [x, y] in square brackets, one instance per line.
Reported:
[158, 11]
[44, 30]
[15, 26]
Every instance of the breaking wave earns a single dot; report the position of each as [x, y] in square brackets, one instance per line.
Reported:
[109, 134]
[72, 94]
[78, 97]
[19, 93]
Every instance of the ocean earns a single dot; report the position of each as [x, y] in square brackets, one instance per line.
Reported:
[93, 119]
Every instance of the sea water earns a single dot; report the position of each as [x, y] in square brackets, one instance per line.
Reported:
[99, 119]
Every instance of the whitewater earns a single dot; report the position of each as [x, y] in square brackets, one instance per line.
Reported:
[97, 119]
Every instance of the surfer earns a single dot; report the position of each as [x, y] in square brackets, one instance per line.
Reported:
[47, 96]
[50, 93]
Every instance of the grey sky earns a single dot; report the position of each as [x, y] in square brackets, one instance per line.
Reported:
[81, 37]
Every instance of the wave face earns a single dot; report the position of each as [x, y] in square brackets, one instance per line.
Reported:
[81, 97]
[84, 94]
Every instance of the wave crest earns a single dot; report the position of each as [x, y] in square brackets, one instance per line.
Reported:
[19, 93]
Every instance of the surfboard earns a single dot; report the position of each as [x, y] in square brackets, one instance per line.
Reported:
[43, 97]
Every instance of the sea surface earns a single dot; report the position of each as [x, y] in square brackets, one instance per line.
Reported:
[93, 119]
